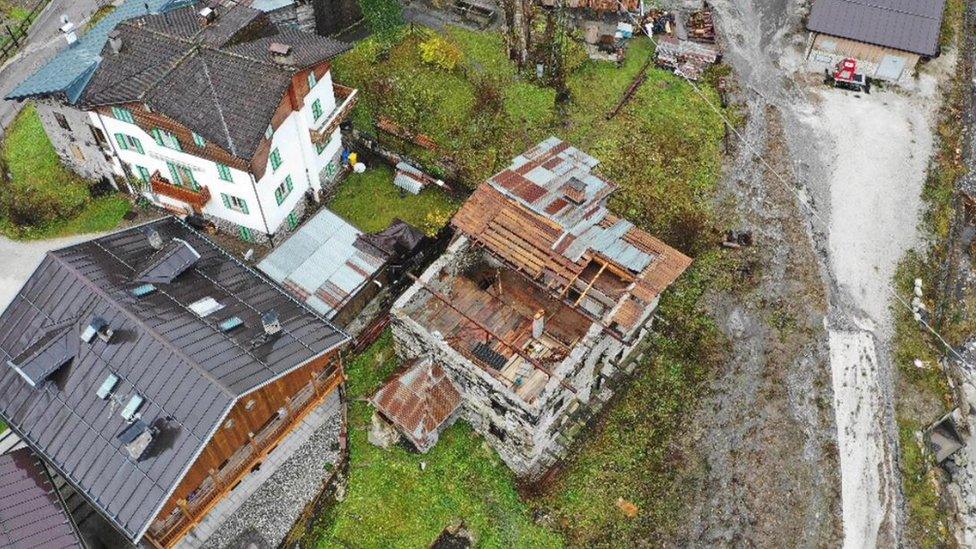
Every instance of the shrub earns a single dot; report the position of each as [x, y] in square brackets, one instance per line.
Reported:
[440, 53]
[385, 17]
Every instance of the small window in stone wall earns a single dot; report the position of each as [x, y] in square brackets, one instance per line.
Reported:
[62, 121]
[497, 431]
[498, 408]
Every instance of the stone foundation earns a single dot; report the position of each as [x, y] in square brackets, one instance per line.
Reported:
[530, 438]
[76, 146]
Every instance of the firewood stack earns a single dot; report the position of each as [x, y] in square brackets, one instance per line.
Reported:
[701, 26]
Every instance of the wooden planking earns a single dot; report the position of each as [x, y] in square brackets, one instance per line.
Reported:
[227, 440]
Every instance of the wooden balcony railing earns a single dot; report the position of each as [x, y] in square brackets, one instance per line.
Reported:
[197, 199]
[346, 98]
[167, 531]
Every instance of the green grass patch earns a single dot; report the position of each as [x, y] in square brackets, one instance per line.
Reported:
[371, 202]
[927, 525]
[390, 502]
[41, 198]
[663, 149]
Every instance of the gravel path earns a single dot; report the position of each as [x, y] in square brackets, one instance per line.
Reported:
[273, 509]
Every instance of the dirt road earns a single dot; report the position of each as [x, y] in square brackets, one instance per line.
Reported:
[834, 215]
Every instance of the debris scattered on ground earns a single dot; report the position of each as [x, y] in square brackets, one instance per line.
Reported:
[686, 58]
[627, 508]
[737, 239]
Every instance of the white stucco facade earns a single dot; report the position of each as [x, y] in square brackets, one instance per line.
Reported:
[238, 199]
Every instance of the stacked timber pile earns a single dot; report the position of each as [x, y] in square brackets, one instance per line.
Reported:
[701, 26]
[686, 58]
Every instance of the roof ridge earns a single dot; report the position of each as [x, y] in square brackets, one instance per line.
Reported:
[220, 111]
[191, 51]
[888, 8]
[149, 329]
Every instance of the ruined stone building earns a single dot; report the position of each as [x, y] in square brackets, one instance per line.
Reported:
[542, 297]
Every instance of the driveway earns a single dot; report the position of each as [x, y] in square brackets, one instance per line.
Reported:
[21, 258]
[44, 40]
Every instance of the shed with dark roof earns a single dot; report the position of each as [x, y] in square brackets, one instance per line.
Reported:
[887, 37]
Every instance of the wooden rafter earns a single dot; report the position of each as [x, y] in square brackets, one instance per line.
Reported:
[444, 299]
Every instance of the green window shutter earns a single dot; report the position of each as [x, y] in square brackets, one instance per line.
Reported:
[124, 115]
[224, 172]
[279, 196]
[158, 136]
[275, 159]
[226, 200]
[317, 109]
[319, 148]
[292, 220]
[288, 183]
[244, 206]
[138, 144]
[175, 142]
[198, 140]
[311, 79]
[121, 140]
[174, 173]
[246, 234]
[143, 173]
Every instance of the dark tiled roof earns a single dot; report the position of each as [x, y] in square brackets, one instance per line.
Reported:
[909, 25]
[188, 371]
[218, 80]
[32, 515]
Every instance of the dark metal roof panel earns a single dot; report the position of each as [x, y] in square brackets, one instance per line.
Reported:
[189, 377]
[31, 513]
[909, 25]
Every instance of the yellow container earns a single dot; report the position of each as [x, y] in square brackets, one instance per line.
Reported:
[353, 157]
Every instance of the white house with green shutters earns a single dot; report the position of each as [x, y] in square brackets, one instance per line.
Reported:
[218, 112]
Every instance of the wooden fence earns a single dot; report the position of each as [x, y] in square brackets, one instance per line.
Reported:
[12, 38]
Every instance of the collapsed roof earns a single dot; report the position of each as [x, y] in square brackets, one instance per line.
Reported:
[546, 215]
[218, 78]
[163, 355]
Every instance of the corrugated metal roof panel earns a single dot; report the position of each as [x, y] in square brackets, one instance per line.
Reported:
[909, 25]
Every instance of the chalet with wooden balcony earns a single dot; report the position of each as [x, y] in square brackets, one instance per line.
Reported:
[154, 372]
[540, 303]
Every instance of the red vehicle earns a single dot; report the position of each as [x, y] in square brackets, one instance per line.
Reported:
[845, 76]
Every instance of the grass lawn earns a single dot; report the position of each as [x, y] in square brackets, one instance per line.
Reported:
[56, 200]
[392, 503]
[664, 149]
[371, 202]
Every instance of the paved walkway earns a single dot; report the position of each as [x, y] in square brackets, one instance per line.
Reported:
[19, 259]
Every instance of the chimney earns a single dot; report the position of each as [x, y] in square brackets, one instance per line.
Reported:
[68, 30]
[115, 41]
[155, 240]
[271, 323]
[575, 191]
[207, 15]
[538, 323]
[97, 327]
[281, 53]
